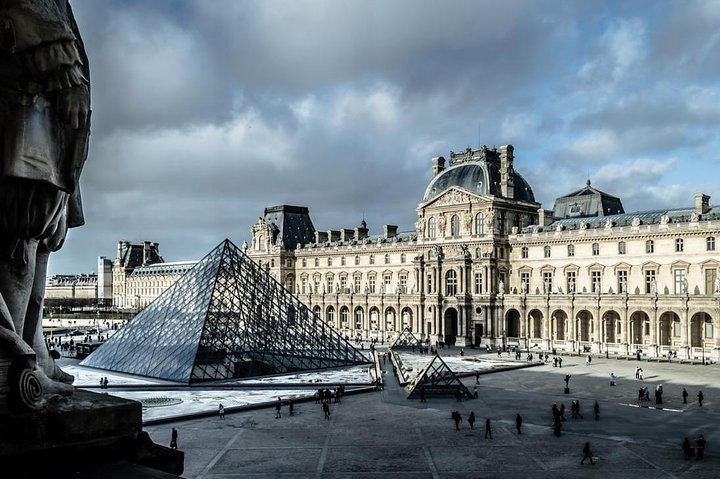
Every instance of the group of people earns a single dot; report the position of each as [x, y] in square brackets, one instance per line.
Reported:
[103, 382]
[457, 418]
[278, 407]
[698, 452]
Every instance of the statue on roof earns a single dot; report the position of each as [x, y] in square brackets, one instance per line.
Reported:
[45, 120]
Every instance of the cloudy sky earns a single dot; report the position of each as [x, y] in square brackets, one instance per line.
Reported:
[205, 112]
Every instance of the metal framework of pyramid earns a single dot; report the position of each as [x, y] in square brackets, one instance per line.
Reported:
[406, 340]
[438, 379]
[226, 318]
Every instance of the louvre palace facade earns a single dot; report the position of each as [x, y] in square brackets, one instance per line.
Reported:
[487, 264]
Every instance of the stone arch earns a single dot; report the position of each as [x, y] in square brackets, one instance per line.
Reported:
[698, 325]
[374, 319]
[390, 319]
[317, 311]
[450, 319]
[559, 320]
[584, 320]
[406, 318]
[330, 316]
[512, 323]
[535, 324]
[638, 320]
[669, 323]
[611, 326]
[359, 318]
[345, 318]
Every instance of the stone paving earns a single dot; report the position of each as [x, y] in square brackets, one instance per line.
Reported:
[382, 434]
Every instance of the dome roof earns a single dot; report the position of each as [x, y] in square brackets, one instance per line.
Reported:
[480, 177]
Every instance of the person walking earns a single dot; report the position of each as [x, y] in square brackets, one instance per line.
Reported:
[637, 372]
[700, 398]
[700, 443]
[567, 381]
[577, 409]
[221, 411]
[422, 394]
[457, 418]
[278, 405]
[173, 439]
[559, 362]
[488, 431]
[684, 395]
[587, 454]
[562, 411]
[477, 377]
[686, 449]
[612, 379]
[596, 408]
[471, 420]
[640, 374]
[291, 407]
[518, 423]
[326, 409]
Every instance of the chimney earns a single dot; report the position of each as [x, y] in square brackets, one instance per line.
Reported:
[438, 165]
[346, 234]
[507, 175]
[390, 231]
[361, 233]
[544, 217]
[147, 252]
[118, 257]
[333, 235]
[702, 203]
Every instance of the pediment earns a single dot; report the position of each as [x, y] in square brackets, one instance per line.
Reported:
[452, 196]
[596, 267]
[622, 266]
[650, 265]
[571, 267]
[711, 263]
[679, 264]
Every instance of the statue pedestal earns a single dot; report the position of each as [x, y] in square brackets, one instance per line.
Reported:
[83, 433]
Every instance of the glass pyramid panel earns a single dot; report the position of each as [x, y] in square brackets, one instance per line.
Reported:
[438, 380]
[406, 340]
[226, 318]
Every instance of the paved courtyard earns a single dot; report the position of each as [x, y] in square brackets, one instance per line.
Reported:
[382, 434]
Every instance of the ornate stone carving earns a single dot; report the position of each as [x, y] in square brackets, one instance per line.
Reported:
[664, 219]
[608, 224]
[559, 227]
[45, 120]
[490, 219]
[453, 197]
[442, 223]
[694, 217]
[468, 221]
[583, 225]
[635, 221]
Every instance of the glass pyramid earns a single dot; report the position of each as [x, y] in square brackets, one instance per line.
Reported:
[438, 380]
[226, 318]
[406, 340]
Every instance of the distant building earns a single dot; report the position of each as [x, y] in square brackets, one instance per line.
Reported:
[104, 273]
[65, 291]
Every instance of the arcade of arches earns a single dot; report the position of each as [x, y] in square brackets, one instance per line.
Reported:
[653, 333]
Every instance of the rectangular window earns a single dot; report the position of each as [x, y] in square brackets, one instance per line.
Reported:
[595, 249]
[329, 287]
[680, 281]
[596, 285]
[316, 282]
[403, 283]
[429, 283]
[710, 278]
[342, 261]
[647, 328]
[679, 245]
[708, 331]
[478, 283]
[386, 283]
[357, 279]
[547, 281]
[710, 243]
[371, 281]
[676, 328]
[525, 282]
[650, 281]
[343, 284]
[571, 285]
[621, 247]
[649, 246]
[622, 281]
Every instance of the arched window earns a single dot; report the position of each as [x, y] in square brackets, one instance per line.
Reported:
[595, 249]
[432, 228]
[454, 226]
[571, 250]
[403, 258]
[451, 283]
[344, 316]
[547, 251]
[359, 317]
[330, 315]
[387, 259]
[357, 260]
[516, 220]
[480, 224]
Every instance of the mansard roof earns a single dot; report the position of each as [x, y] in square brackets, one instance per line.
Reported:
[587, 202]
[292, 224]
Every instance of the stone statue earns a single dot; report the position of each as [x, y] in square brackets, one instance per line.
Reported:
[45, 120]
[653, 286]
[635, 221]
[442, 222]
[420, 226]
[664, 219]
[490, 219]
[694, 217]
[501, 288]
[608, 224]
[468, 221]
[717, 284]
